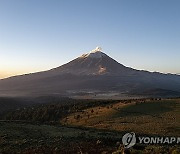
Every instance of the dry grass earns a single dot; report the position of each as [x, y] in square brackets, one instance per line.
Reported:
[150, 117]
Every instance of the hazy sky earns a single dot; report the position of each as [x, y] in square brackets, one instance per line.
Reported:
[38, 35]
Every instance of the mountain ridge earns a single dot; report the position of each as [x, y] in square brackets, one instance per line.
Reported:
[91, 71]
[95, 51]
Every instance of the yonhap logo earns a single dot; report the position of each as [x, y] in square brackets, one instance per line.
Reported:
[129, 140]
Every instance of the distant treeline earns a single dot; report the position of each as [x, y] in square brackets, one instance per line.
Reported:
[53, 112]
[48, 109]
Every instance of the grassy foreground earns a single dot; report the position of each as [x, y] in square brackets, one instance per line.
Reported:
[33, 138]
[93, 129]
[46, 139]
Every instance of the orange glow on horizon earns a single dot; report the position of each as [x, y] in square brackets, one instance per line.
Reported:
[10, 72]
[7, 74]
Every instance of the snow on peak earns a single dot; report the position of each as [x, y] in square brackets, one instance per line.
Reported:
[97, 49]
[96, 53]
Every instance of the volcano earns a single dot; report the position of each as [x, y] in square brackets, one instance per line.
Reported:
[93, 71]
